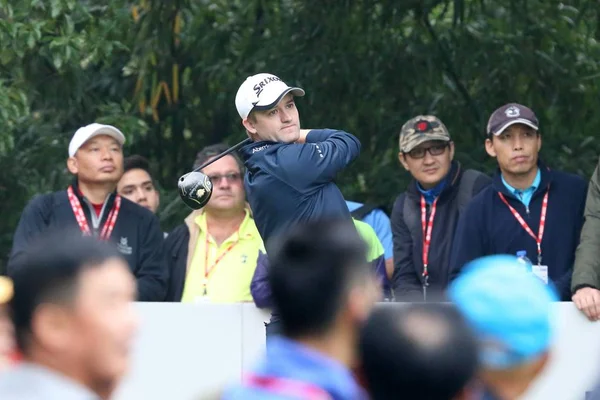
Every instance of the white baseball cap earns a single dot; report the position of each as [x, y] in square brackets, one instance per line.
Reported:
[262, 92]
[87, 132]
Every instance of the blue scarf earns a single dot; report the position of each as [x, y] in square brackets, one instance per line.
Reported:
[431, 194]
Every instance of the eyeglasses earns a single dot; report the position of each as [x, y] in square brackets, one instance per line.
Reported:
[231, 177]
[435, 150]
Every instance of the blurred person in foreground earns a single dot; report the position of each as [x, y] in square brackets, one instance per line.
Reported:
[7, 332]
[137, 183]
[261, 291]
[510, 311]
[419, 351]
[92, 204]
[74, 320]
[212, 255]
[324, 290]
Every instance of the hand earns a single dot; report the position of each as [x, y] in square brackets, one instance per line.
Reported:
[587, 301]
[302, 138]
[389, 267]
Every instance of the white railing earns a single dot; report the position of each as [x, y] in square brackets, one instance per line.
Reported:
[184, 350]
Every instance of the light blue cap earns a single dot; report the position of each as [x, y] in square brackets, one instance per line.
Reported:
[508, 308]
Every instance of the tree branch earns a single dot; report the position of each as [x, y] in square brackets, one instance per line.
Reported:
[450, 68]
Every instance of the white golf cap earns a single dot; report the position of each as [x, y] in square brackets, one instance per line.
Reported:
[87, 132]
[262, 92]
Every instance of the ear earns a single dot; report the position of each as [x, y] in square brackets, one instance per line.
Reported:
[51, 327]
[251, 131]
[357, 309]
[463, 394]
[541, 364]
[362, 298]
[451, 151]
[489, 147]
[402, 159]
[539, 141]
[72, 165]
[250, 126]
[470, 391]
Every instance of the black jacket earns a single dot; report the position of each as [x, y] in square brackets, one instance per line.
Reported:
[176, 252]
[408, 234]
[136, 234]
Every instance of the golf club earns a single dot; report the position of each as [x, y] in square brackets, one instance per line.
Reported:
[195, 188]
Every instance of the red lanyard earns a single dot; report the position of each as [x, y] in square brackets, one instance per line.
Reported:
[538, 238]
[287, 387]
[208, 270]
[427, 229]
[82, 220]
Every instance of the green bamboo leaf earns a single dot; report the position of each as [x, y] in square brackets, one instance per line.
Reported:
[57, 61]
[70, 25]
[55, 8]
[31, 41]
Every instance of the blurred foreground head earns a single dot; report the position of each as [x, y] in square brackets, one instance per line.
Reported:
[6, 328]
[72, 309]
[418, 351]
[321, 282]
[510, 312]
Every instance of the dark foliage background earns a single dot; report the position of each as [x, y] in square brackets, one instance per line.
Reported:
[166, 73]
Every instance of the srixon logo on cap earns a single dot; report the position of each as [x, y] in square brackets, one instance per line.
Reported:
[259, 87]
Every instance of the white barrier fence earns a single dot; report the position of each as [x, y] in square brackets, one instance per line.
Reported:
[185, 350]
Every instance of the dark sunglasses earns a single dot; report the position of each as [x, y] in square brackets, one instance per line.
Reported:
[434, 150]
[232, 177]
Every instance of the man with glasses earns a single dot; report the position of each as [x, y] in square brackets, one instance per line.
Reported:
[529, 209]
[212, 255]
[424, 217]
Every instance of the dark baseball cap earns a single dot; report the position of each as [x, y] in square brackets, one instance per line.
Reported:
[510, 114]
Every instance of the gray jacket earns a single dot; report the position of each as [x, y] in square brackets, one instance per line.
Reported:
[28, 381]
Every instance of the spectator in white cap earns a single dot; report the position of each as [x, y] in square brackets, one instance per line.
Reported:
[290, 172]
[92, 204]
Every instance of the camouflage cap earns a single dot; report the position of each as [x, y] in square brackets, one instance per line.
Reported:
[421, 129]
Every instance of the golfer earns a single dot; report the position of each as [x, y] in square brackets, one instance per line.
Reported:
[290, 171]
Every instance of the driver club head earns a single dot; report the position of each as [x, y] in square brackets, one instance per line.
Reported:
[195, 189]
